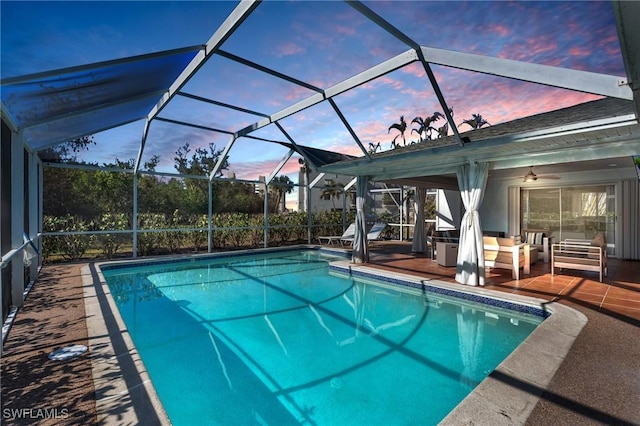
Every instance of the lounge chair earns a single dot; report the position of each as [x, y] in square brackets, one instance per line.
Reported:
[330, 239]
[374, 234]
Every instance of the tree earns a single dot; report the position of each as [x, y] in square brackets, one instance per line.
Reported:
[401, 127]
[443, 131]
[199, 162]
[476, 121]
[280, 186]
[66, 152]
[425, 128]
[332, 191]
[61, 193]
[373, 148]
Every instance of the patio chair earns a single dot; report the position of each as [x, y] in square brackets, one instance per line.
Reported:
[330, 239]
[374, 234]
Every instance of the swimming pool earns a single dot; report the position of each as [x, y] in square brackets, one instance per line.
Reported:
[282, 338]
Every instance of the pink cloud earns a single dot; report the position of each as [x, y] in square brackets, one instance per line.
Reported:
[414, 69]
[289, 49]
[501, 30]
[579, 51]
[253, 169]
[344, 29]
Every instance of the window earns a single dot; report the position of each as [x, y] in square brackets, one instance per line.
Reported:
[571, 212]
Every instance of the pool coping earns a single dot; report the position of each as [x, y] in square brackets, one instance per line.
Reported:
[506, 397]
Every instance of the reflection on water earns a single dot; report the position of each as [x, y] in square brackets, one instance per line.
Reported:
[281, 341]
[470, 336]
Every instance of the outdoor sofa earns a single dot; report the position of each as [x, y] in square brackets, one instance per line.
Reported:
[538, 239]
[507, 253]
[579, 254]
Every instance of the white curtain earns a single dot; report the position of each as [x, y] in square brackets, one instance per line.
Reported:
[360, 248]
[419, 243]
[472, 180]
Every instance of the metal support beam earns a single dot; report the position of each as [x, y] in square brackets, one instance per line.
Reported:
[350, 184]
[193, 125]
[223, 156]
[210, 219]
[443, 103]
[349, 128]
[309, 217]
[232, 23]
[279, 167]
[364, 77]
[33, 194]
[266, 217]
[316, 180]
[220, 104]
[627, 13]
[134, 224]
[581, 81]
[17, 218]
[143, 141]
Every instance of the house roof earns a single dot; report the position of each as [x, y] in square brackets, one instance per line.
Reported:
[604, 128]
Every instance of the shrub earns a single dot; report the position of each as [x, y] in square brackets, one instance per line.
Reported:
[198, 238]
[149, 242]
[111, 243]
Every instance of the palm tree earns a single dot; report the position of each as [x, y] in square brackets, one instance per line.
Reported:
[280, 186]
[373, 148]
[332, 191]
[443, 131]
[401, 127]
[424, 126]
[476, 121]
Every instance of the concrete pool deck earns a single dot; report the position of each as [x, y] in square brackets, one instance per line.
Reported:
[596, 382]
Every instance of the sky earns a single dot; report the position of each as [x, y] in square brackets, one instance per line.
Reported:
[320, 43]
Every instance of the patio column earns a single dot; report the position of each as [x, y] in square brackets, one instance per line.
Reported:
[419, 244]
[17, 218]
[472, 180]
[360, 249]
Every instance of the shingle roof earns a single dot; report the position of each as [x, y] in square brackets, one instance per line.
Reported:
[589, 111]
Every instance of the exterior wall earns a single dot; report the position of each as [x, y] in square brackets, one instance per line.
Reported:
[449, 210]
[494, 212]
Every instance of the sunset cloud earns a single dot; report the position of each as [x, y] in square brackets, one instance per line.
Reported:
[322, 44]
[289, 49]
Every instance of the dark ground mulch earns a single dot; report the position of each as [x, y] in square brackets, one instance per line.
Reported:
[36, 390]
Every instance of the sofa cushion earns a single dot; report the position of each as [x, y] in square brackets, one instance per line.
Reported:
[599, 240]
[534, 238]
[498, 241]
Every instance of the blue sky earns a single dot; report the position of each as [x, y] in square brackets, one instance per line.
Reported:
[321, 43]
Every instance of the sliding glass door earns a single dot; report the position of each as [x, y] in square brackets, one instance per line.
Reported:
[571, 212]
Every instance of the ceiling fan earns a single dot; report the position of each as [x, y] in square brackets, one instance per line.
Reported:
[532, 177]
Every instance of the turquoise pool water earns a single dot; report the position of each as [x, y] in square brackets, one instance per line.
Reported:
[278, 339]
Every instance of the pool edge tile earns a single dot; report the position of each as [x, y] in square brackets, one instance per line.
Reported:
[123, 388]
